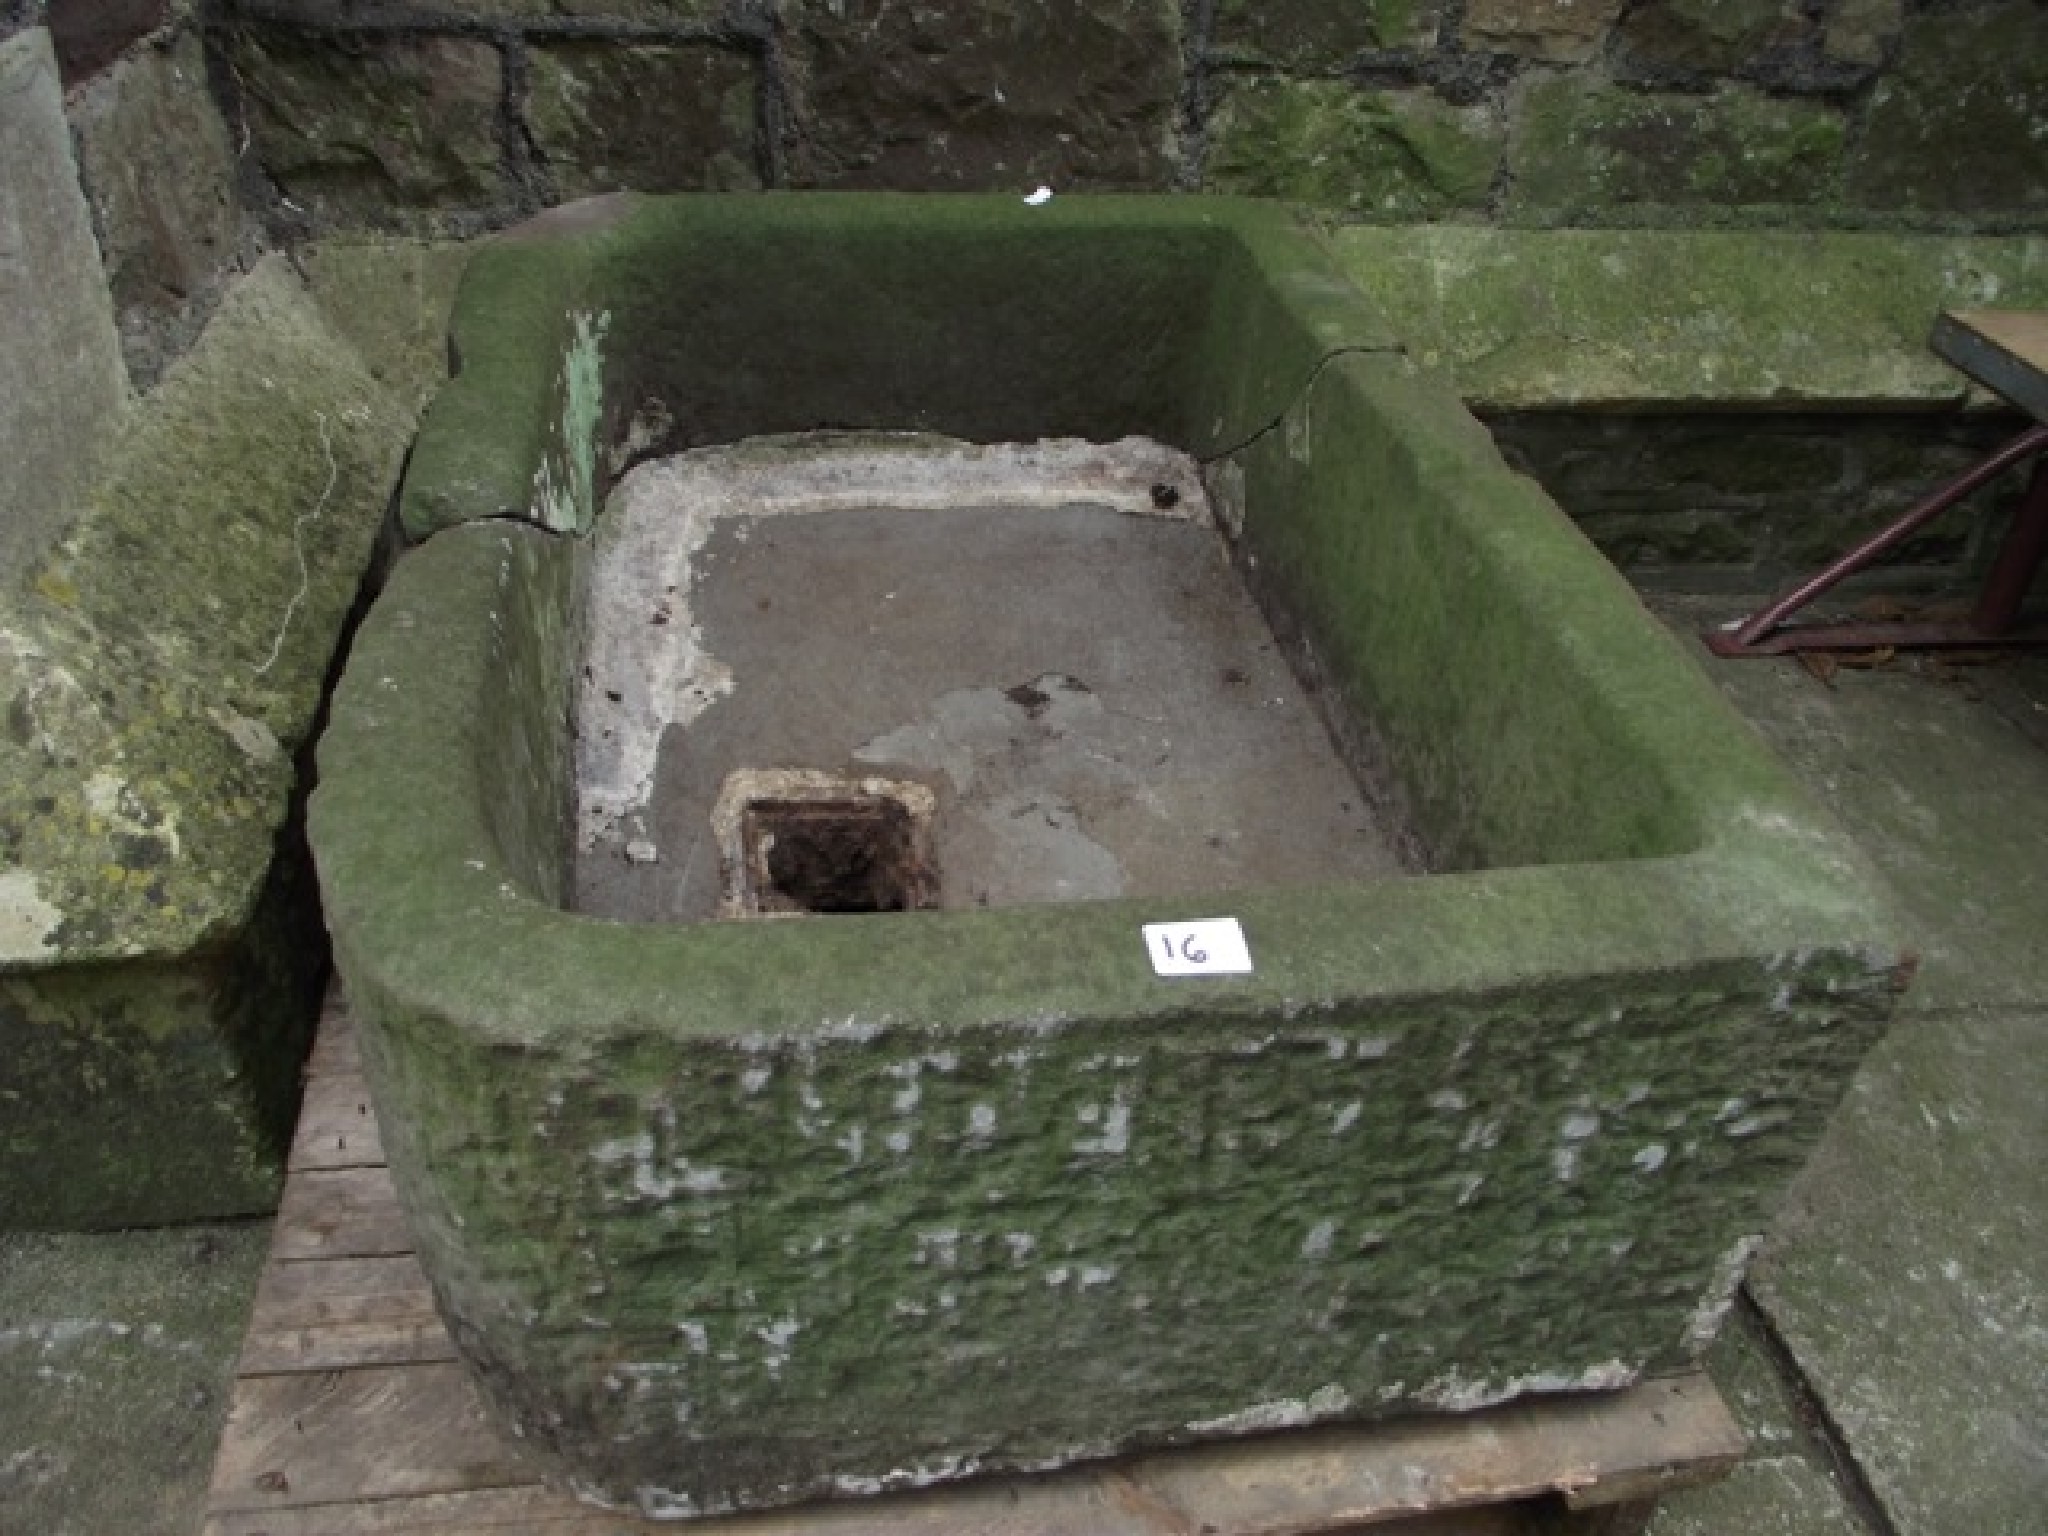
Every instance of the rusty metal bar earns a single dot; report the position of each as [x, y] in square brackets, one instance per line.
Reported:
[2019, 558]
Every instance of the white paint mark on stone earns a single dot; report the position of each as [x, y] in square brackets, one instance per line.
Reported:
[1458, 1394]
[28, 924]
[1346, 1117]
[1094, 1275]
[1284, 1413]
[1651, 1156]
[1579, 1127]
[1705, 1322]
[1317, 1244]
[981, 1122]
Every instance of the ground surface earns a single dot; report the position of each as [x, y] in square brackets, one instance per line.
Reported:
[1891, 1363]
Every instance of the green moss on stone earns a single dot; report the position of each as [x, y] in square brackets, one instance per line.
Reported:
[1077, 94]
[157, 675]
[656, 118]
[1572, 319]
[1317, 36]
[733, 1174]
[1955, 126]
[1705, 35]
[1385, 155]
[378, 130]
[1586, 151]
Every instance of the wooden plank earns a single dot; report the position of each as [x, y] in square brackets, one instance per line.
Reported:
[334, 1313]
[335, 1437]
[2005, 350]
[527, 1511]
[334, 1044]
[337, 1125]
[342, 1213]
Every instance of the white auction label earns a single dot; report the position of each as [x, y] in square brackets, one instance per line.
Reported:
[1213, 946]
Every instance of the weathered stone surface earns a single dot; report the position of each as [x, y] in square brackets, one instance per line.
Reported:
[1920, 1323]
[671, 118]
[59, 350]
[1576, 319]
[374, 130]
[390, 300]
[118, 1352]
[90, 34]
[1556, 30]
[1705, 36]
[157, 974]
[1956, 125]
[1589, 151]
[160, 173]
[1384, 155]
[1317, 35]
[845, 1155]
[1863, 31]
[1071, 93]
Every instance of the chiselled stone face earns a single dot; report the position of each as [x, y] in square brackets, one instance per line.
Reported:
[735, 1213]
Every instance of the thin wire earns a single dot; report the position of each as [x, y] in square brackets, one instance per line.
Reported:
[299, 526]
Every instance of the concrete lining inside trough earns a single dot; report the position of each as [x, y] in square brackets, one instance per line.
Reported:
[1049, 638]
[731, 1215]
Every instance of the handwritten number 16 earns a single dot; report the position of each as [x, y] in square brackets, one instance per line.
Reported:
[1187, 949]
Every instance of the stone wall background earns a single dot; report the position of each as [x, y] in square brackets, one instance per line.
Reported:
[453, 115]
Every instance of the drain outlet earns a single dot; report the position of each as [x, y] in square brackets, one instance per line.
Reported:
[796, 842]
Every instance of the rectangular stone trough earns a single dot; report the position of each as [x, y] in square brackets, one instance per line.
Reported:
[735, 1213]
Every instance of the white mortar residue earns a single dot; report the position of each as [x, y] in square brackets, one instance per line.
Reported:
[647, 667]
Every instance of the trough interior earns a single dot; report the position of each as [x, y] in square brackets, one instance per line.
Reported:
[1085, 690]
[1473, 715]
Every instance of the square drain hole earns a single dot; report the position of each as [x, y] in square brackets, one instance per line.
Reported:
[798, 842]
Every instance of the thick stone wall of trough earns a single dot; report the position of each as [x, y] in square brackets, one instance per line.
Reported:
[457, 114]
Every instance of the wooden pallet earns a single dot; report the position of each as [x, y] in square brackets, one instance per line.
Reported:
[351, 1416]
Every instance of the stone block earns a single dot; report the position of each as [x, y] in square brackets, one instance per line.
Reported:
[1559, 31]
[657, 118]
[1072, 93]
[1316, 36]
[1672, 319]
[160, 173]
[90, 34]
[385, 130]
[1705, 36]
[1386, 155]
[1585, 150]
[1862, 32]
[160, 962]
[59, 351]
[1956, 126]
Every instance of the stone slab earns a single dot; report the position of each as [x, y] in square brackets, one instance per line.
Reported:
[1664, 319]
[1887, 749]
[390, 300]
[1906, 1272]
[57, 334]
[1559, 31]
[117, 1352]
[158, 961]
[160, 173]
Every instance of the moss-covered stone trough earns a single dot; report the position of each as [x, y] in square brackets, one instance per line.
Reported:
[735, 1214]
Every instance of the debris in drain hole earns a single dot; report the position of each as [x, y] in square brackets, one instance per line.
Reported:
[1164, 496]
[641, 851]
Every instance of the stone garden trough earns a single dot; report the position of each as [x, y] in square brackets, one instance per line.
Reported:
[735, 1213]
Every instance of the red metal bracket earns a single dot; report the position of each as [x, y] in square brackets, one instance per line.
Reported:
[2005, 587]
